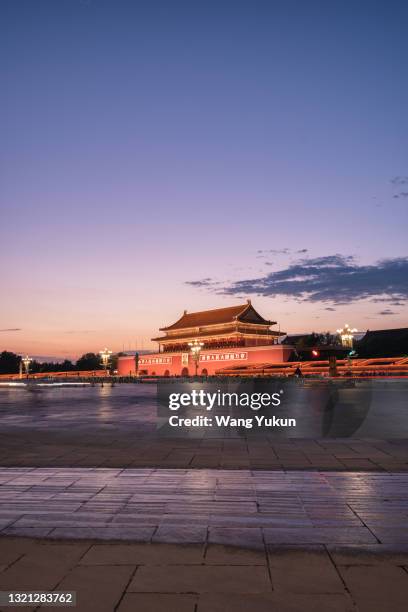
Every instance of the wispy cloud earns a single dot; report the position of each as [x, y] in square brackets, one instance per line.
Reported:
[80, 331]
[274, 251]
[388, 301]
[401, 194]
[11, 329]
[386, 312]
[264, 253]
[399, 180]
[203, 282]
[336, 279]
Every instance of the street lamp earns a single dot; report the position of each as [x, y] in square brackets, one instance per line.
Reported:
[195, 348]
[347, 335]
[105, 357]
[26, 361]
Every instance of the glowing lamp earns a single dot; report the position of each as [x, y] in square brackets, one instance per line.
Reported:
[195, 348]
[105, 357]
[347, 335]
[26, 362]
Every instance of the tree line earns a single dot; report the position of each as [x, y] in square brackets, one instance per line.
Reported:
[10, 364]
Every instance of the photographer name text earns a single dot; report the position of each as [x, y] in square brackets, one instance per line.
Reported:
[228, 421]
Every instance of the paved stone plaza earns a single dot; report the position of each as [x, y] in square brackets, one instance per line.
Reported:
[240, 507]
[117, 427]
[93, 500]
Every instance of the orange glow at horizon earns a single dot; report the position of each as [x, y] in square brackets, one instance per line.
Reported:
[134, 332]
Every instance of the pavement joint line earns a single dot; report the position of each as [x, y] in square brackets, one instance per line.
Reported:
[67, 573]
[364, 523]
[132, 575]
[347, 590]
[268, 564]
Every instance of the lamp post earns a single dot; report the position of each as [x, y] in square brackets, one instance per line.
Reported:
[347, 335]
[26, 361]
[195, 348]
[105, 357]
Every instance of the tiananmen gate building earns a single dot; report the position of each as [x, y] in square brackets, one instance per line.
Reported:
[237, 335]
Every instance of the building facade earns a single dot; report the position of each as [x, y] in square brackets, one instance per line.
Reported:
[237, 335]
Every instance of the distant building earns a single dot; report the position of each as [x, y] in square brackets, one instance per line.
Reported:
[231, 336]
[294, 339]
[313, 346]
[384, 343]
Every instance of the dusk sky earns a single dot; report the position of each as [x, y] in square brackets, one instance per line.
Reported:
[159, 156]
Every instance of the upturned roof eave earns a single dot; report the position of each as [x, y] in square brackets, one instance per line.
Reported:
[239, 312]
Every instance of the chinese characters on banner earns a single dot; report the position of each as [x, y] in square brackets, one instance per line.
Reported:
[155, 360]
[224, 356]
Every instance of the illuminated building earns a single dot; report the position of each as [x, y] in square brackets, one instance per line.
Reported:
[236, 335]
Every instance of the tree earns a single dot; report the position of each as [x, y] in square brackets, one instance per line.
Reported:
[308, 341]
[9, 363]
[89, 361]
[315, 339]
[66, 366]
[51, 366]
[35, 366]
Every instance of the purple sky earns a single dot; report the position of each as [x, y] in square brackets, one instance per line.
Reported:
[157, 156]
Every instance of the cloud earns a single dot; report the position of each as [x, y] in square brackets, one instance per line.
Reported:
[204, 282]
[336, 279]
[388, 301]
[11, 329]
[386, 312]
[401, 194]
[399, 180]
[275, 251]
[263, 253]
[331, 309]
[80, 331]
[284, 251]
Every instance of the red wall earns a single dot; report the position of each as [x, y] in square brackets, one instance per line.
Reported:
[267, 354]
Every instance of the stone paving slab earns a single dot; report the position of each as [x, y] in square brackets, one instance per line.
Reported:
[112, 577]
[242, 507]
